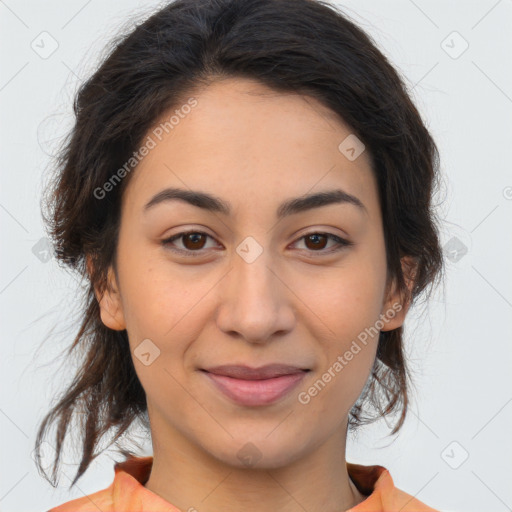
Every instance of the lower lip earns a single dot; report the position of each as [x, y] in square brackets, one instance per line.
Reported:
[256, 392]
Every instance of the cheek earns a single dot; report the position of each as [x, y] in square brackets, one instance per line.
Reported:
[347, 299]
[161, 307]
[155, 297]
[349, 303]
[347, 351]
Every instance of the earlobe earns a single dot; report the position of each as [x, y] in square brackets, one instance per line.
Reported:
[397, 303]
[111, 309]
[109, 300]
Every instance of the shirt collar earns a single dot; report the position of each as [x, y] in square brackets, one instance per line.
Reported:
[130, 495]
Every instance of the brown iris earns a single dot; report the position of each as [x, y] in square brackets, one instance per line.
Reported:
[314, 238]
[197, 240]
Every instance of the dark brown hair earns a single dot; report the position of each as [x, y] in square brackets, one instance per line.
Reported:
[305, 46]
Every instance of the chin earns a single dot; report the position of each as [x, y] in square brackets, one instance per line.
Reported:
[259, 451]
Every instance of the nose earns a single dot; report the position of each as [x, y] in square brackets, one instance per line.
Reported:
[255, 302]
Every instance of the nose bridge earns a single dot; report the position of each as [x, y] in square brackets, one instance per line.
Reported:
[254, 303]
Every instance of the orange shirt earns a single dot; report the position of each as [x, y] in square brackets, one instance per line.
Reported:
[128, 494]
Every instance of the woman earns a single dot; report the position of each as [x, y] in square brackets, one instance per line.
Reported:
[247, 188]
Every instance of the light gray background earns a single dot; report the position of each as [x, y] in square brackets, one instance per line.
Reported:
[460, 348]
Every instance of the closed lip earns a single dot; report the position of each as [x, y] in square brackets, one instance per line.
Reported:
[248, 373]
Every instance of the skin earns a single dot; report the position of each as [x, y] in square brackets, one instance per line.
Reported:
[254, 148]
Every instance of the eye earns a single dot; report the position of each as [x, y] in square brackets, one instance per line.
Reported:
[316, 241]
[194, 242]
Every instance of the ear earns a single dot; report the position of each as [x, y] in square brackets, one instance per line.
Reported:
[111, 309]
[397, 304]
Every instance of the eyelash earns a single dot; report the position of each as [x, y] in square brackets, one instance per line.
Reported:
[343, 243]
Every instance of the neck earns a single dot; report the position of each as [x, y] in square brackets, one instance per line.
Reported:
[191, 479]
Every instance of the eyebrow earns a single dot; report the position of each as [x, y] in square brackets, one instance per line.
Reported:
[289, 207]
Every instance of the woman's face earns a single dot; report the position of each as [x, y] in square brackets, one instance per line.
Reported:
[258, 283]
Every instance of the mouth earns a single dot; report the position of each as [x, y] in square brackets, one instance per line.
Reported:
[242, 372]
[255, 386]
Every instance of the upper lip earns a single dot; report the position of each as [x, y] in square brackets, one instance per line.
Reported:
[247, 373]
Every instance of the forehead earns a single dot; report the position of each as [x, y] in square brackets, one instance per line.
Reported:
[242, 141]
